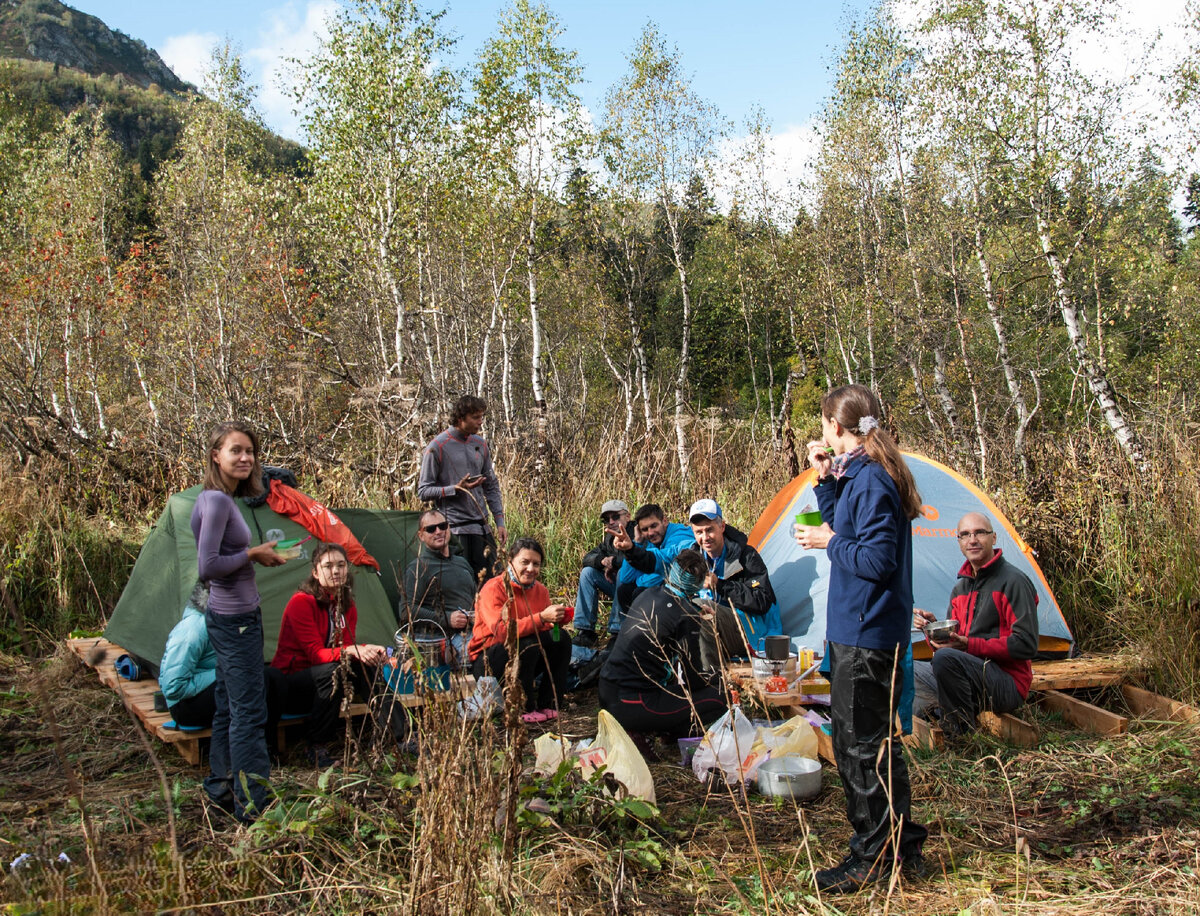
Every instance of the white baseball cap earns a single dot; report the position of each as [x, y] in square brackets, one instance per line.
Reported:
[705, 507]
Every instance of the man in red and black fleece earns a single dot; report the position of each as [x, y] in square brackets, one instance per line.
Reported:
[985, 665]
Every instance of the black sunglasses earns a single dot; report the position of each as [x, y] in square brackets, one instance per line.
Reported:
[610, 516]
[440, 526]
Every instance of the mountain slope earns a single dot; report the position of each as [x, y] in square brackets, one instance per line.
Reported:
[51, 31]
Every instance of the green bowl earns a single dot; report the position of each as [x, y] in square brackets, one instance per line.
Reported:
[808, 518]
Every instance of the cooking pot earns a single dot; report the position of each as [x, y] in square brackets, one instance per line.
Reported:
[790, 776]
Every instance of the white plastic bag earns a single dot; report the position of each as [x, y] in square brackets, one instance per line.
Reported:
[728, 746]
[551, 750]
[483, 702]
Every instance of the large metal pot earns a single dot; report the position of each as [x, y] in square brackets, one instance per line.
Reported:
[790, 776]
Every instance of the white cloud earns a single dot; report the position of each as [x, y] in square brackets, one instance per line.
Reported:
[190, 55]
[786, 171]
[289, 32]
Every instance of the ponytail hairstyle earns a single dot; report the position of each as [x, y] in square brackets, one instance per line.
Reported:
[857, 409]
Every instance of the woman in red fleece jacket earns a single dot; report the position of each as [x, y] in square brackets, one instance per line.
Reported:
[317, 630]
[541, 649]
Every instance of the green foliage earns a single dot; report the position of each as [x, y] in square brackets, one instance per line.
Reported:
[567, 800]
[60, 569]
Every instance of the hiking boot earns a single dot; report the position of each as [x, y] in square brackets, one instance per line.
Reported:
[851, 875]
[585, 639]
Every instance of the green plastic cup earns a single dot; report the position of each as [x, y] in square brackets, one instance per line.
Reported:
[808, 518]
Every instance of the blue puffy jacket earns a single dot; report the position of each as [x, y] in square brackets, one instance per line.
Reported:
[189, 662]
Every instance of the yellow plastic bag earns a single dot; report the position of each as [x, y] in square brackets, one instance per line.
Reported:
[795, 736]
[623, 760]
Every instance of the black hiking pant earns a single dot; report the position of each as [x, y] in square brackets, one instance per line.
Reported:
[660, 712]
[864, 688]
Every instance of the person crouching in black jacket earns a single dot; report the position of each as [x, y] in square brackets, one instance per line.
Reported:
[650, 682]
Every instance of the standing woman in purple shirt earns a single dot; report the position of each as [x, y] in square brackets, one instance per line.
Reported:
[868, 498]
[238, 756]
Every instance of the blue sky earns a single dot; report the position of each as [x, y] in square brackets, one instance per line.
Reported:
[775, 54]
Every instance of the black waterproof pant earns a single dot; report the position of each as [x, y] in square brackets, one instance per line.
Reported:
[660, 712]
[316, 693]
[964, 685]
[864, 688]
[479, 550]
[536, 654]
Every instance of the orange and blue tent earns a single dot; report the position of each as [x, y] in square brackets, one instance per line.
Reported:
[800, 578]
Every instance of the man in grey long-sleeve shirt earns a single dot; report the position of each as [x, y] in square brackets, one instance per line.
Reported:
[457, 477]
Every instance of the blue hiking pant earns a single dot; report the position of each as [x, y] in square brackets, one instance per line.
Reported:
[591, 583]
[239, 746]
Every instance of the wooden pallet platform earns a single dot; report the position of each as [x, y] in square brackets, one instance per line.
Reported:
[1057, 674]
[138, 696]
[1050, 680]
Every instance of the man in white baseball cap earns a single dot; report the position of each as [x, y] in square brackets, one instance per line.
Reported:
[737, 581]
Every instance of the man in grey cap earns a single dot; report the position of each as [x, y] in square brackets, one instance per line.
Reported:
[599, 576]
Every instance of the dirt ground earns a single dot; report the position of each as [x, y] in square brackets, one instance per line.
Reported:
[1077, 825]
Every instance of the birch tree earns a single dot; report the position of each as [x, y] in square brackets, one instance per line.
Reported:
[378, 105]
[661, 133]
[1045, 122]
[526, 123]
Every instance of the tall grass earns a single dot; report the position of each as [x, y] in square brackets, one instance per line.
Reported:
[1117, 543]
[65, 570]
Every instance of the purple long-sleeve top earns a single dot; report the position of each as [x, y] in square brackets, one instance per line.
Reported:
[222, 537]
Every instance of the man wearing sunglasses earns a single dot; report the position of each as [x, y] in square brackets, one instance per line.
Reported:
[986, 664]
[439, 586]
[599, 576]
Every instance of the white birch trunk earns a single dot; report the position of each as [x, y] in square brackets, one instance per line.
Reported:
[1097, 380]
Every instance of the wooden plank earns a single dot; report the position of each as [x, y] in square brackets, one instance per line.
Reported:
[1098, 671]
[1084, 715]
[1009, 728]
[1148, 703]
[824, 744]
[925, 735]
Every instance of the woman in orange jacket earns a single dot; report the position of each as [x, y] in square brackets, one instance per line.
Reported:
[542, 646]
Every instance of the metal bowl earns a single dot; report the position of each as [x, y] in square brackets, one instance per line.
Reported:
[790, 776]
[940, 629]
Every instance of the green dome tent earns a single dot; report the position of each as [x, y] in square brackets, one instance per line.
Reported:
[165, 571]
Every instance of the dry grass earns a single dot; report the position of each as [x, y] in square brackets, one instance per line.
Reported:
[1078, 825]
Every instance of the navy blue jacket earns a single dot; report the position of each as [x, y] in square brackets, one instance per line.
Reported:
[870, 601]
